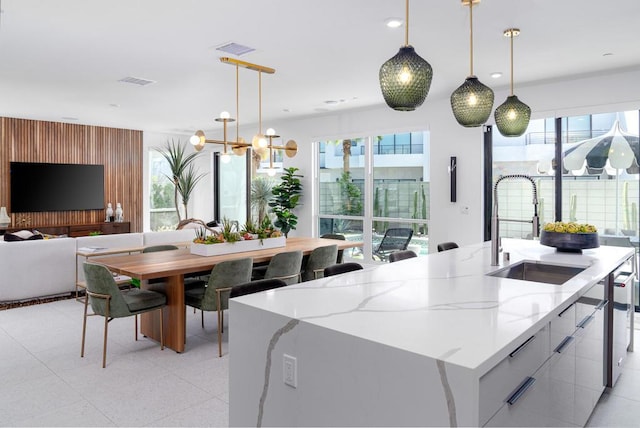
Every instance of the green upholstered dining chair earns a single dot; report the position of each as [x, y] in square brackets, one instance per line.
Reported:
[396, 256]
[285, 266]
[338, 237]
[154, 248]
[319, 259]
[108, 301]
[341, 268]
[190, 281]
[215, 296]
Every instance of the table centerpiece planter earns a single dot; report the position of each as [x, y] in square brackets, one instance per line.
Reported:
[569, 242]
[237, 247]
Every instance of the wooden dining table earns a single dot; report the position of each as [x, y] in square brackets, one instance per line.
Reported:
[174, 265]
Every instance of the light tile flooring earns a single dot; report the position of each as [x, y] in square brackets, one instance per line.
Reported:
[44, 382]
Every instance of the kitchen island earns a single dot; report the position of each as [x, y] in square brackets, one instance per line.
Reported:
[426, 341]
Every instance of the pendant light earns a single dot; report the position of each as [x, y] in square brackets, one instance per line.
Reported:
[512, 116]
[405, 79]
[472, 101]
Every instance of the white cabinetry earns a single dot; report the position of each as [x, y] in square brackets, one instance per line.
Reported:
[564, 387]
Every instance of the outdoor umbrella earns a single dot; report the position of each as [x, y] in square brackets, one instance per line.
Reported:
[616, 148]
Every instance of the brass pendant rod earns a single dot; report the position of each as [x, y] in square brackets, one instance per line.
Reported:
[511, 40]
[471, 38]
[237, 104]
[250, 66]
[260, 101]
[406, 25]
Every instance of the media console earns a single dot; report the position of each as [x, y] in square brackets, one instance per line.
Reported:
[75, 230]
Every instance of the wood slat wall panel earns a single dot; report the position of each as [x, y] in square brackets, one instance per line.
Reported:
[119, 150]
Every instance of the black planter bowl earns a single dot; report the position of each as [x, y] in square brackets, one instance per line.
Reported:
[569, 242]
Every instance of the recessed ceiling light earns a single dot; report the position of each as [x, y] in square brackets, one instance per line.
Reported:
[286, 110]
[496, 74]
[331, 102]
[114, 105]
[607, 54]
[393, 22]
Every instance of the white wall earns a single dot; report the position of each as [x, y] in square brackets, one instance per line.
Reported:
[580, 95]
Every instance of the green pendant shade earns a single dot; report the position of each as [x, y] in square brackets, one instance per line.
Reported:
[405, 80]
[472, 103]
[512, 117]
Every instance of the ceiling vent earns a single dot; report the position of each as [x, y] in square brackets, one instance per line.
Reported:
[136, 81]
[235, 49]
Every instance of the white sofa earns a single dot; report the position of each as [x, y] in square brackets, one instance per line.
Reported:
[48, 267]
[122, 240]
[39, 268]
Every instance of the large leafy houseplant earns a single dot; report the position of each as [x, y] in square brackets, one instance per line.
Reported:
[184, 175]
[286, 197]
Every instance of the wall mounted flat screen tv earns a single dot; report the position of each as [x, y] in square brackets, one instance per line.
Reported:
[39, 187]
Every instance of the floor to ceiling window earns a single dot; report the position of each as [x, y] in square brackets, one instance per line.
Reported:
[593, 190]
[162, 207]
[369, 185]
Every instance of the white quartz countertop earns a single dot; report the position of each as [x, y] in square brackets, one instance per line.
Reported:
[443, 306]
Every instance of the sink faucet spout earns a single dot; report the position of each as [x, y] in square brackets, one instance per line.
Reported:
[495, 219]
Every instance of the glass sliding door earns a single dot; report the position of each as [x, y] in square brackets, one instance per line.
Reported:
[368, 185]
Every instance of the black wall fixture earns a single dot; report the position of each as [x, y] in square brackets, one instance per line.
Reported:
[453, 165]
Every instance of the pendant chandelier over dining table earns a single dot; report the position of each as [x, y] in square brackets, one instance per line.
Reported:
[405, 79]
[472, 102]
[262, 144]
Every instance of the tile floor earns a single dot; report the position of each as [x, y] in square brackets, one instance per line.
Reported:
[44, 382]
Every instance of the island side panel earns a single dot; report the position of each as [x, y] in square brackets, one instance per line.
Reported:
[341, 380]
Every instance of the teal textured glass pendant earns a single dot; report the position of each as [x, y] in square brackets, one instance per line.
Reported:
[472, 102]
[512, 117]
[405, 80]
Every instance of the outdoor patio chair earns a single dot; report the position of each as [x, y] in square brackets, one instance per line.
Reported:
[394, 239]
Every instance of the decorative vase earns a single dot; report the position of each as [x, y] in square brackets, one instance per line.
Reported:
[5, 220]
[109, 213]
[119, 215]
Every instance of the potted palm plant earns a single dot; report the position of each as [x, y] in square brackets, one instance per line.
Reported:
[184, 175]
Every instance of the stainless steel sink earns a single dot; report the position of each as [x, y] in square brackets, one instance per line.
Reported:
[538, 272]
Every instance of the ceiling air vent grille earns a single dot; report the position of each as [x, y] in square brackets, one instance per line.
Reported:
[136, 81]
[235, 49]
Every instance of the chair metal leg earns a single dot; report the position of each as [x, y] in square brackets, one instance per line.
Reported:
[104, 346]
[136, 322]
[219, 330]
[202, 317]
[84, 326]
[221, 321]
[161, 328]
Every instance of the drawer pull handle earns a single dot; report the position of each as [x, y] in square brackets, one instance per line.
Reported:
[521, 347]
[601, 305]
[585, 321]
[565, 310]
[520, 391]
[562, 344]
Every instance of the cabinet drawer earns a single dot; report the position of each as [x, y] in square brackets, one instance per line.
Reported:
[497, 384]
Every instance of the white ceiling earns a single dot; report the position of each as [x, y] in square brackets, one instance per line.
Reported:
[62, 59]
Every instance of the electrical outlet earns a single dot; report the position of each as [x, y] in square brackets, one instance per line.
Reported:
[289, 371]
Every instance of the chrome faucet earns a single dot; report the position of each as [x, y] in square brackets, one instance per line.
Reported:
[495, 220]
